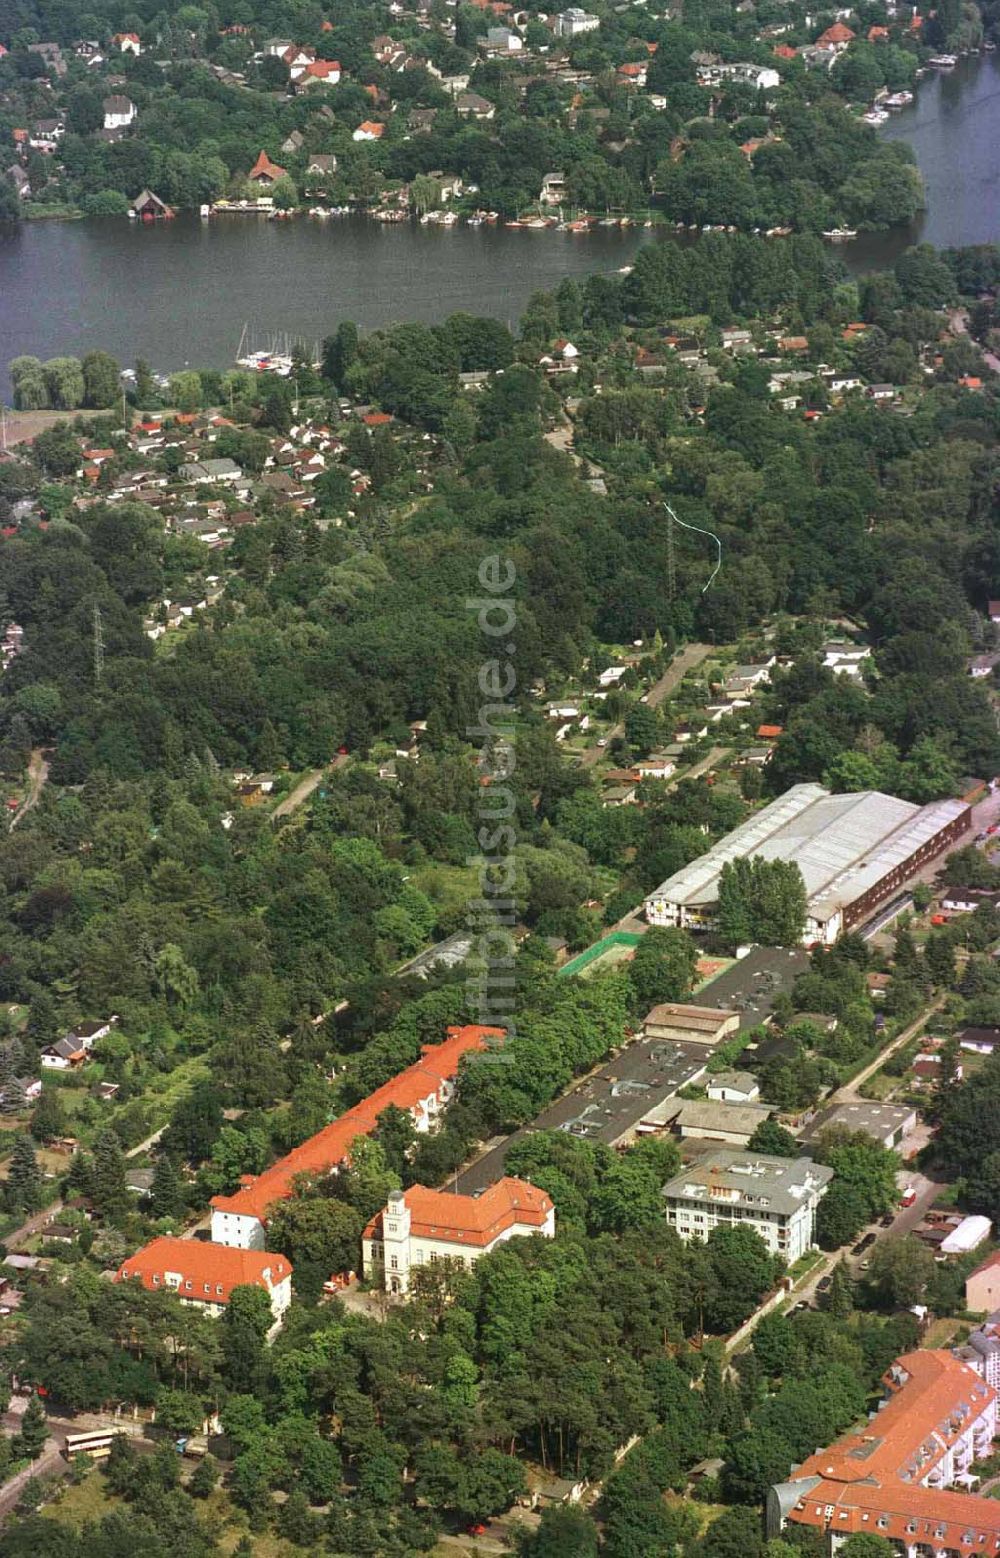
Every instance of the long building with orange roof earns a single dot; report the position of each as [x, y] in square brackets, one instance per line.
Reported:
[422, 1091]
[896, 1477]
[420, 1226]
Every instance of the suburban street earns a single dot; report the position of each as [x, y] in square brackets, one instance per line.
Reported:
[690, 656]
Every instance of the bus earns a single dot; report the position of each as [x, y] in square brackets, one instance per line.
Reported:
[96, 1443]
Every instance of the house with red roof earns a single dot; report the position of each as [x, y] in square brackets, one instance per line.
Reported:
[894, 1476]
[878, 34]
[420, 1226]
[423, 1091]
[127, 43]
[836, 38]
[319, 72]
[264, 171]
[369, 130]
[205, 1274]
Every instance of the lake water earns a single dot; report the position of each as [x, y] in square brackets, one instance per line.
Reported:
[182, 291]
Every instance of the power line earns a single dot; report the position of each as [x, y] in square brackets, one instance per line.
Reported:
[98, 646]
[700, 531]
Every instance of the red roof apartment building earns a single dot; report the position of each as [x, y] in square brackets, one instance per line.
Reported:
[421, 1226]
[894, 1477]
[205, 1274]
[423, 1090]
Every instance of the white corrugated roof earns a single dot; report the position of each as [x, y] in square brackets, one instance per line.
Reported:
[842, 844]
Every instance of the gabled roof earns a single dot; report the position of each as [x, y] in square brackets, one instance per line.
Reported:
[838, 33]
[207, 1267]
[329, 1147]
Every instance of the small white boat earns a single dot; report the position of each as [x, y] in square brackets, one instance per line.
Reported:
[943, 61]
[840, 234]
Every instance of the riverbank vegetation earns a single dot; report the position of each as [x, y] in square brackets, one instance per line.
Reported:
[271, 577]
[725, 120]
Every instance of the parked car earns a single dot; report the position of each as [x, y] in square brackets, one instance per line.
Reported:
[823, 1285]
[864, 1244]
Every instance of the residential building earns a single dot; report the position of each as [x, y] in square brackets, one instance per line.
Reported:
[419, 1227]
[982, 1351]
[553, 191]
[119, 112]
[692, 1024]
[64, 1055]
[212, 471]
[127, 43]
[776, 1197]
[844, 658]
[205, 1274]
[423, 1091]
[733, 1087]
[264, 171]
[978, 1041]
[503, 40]
[368, 130]
[890, 1478]
[575, 21]
[982, 1287]
[854, 851]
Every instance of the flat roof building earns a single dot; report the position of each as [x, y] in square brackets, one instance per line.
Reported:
[885, 1123]
[620, 1101]
[776, 1197]
[853, 852]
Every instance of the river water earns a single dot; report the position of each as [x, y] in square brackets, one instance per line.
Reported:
[182, 291]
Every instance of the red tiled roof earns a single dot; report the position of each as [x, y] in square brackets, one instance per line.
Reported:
[372, 127]
[323, 68]
[784, 52]
[265, 168]
[838, 33]
[330, 1146]
[872, 1480]
[768, 732]
[472, 1220]
[938, 1391]
[204, 1269]
[376, 418]
[877, 33]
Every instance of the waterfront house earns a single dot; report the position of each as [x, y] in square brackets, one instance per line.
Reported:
[264, 171]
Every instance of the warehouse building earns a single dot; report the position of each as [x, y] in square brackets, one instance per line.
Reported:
[689, 1024]
[854, 851]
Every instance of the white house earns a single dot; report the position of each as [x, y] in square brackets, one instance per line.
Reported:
[776, 1197]
[421, 1226]
[733, 1087]
[128, 43]
[119, 112]
[575, 21]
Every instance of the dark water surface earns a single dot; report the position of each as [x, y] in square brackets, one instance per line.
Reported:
[179, 293]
